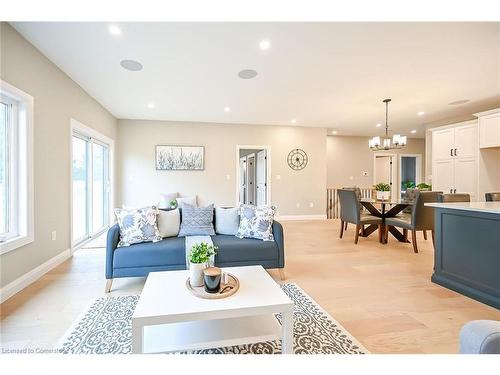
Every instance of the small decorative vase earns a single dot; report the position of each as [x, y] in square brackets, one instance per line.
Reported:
[383, 195]
[196, 273]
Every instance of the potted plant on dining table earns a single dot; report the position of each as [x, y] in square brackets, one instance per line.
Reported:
[383, 191]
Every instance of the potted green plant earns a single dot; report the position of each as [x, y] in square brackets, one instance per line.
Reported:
[199, 256]
[173, 204]
[383, 191]
[424, 187]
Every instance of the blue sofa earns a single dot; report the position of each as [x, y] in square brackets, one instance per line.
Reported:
[170, 254]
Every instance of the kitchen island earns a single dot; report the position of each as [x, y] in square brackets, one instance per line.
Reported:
[467, 249]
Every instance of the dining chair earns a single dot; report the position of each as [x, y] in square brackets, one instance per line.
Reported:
[450, 198]
[350, 213]
[492, 197]
[420, 219]
[358, 196]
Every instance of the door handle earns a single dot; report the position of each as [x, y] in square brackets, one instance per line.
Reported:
[455, 152]
[451, 152]
[451, 191]
[454, 191]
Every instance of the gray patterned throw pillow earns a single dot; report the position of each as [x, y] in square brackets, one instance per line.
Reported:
[256, 222]
[137, 225]
[197, 221]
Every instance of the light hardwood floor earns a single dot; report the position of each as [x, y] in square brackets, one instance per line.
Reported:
[382, 294]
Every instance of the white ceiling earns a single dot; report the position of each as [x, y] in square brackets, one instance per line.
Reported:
[331, 75]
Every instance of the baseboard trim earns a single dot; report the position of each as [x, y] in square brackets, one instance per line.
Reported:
[30, 277]
[300, 217]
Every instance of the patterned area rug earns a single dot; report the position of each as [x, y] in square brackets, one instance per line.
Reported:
[106, 329]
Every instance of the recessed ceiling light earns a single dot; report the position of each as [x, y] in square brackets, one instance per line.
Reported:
[413, 131]
[115, 30]
[458, 102]
[131, 65]
[227, 109]
[293, 121]
[247, 74]
[378, 125]
[421, 113]
[334, 132]
[264, 44]
[151, 105]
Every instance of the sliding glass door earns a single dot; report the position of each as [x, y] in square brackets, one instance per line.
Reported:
[90, 174]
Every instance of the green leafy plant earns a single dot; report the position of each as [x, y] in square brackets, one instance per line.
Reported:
[408, 184]
[382, 186]
[424, 186]
[173, 203]
[201, 253]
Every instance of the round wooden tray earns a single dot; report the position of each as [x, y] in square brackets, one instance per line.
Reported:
[199, 291]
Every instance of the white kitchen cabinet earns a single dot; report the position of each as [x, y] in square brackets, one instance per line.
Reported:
[455, 159]
[489, 129]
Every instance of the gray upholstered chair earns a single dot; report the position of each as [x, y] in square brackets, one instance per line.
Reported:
[350, 213]
[421, 217]
[358, 197]
[492, 197]
[480, 337]
[449, 198]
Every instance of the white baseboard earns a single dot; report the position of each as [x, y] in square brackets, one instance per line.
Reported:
[22, 282]
[301, 217]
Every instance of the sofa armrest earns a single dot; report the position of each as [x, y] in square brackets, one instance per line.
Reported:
[111, 244]
[480, 337]
[279, 238]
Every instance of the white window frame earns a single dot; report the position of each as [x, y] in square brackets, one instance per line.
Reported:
[80, 129]
[20, 154]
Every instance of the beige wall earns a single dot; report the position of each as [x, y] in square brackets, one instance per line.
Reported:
[136, 155]
[56, 99]
[349, 157]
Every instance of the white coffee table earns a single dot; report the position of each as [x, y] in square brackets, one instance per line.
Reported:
[168, 318]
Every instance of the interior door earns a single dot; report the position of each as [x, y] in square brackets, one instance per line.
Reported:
[261, 178]
[250, 179]
[443, 143]
[243, 179]
[80, 174]
[443, 176]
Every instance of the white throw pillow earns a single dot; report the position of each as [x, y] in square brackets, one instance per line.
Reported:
[165, 199]
[227, 220]
[187, 200]
[169, 223]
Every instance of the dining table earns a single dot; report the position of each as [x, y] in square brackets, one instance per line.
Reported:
[384, 209]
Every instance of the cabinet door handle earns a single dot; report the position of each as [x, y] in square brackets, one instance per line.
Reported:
[454, 191]
[455, 152]
[451, 152]
[451, 191]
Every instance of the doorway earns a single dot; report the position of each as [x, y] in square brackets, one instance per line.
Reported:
[410, 171]
[384, 171]
[253, 175]
[90, 180]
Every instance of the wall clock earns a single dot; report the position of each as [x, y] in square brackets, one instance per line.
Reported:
[297, 159]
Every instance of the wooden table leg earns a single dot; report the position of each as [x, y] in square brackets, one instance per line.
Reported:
[397, 234]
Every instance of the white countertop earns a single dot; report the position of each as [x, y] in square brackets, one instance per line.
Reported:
[490, 207]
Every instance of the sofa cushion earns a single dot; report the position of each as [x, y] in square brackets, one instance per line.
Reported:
[227, 220]
[234, 249]
[197, 221]
[169, 222]
[187, 200]
[256, 222]
[166, 198]
[137, 225]
[168, 251]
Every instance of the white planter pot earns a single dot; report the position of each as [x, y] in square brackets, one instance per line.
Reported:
[383, 195]
[196, 273]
